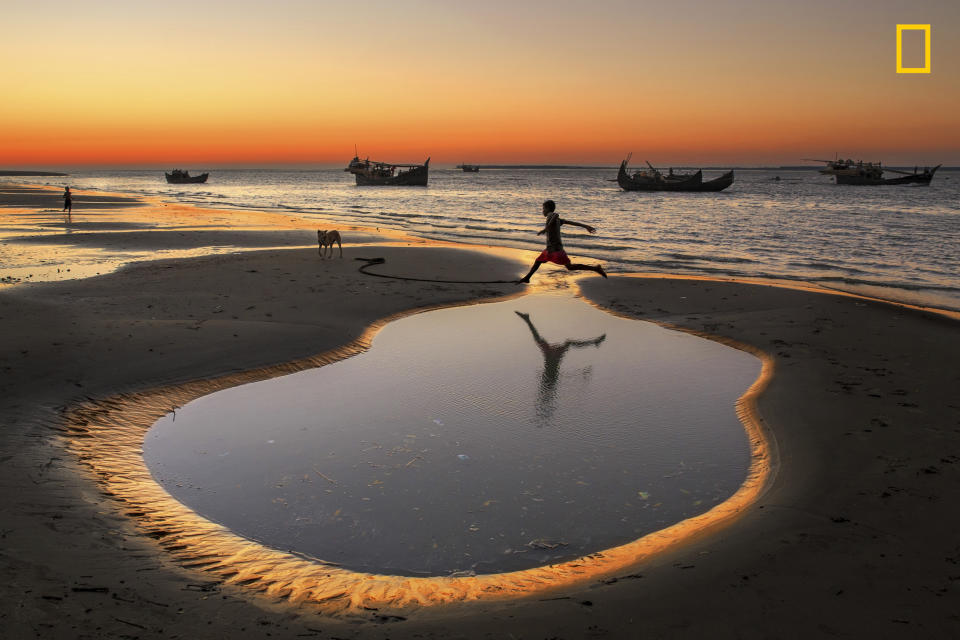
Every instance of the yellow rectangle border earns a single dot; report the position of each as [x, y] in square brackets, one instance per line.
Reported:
[926, 48]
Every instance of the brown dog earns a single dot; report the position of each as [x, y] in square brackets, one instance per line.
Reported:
[326, 239]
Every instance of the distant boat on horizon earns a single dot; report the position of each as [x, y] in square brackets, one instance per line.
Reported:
[469, 168]
[656, 180]
[183, 177]
[371, 173]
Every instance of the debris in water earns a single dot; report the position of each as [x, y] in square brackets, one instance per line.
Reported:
[467, 573]
[543, 543]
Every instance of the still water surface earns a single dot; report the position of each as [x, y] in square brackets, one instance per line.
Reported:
[486, 438]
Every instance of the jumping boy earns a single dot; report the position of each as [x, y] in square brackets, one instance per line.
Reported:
[554, 252]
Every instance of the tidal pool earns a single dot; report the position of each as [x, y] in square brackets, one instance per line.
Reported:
[487, 438]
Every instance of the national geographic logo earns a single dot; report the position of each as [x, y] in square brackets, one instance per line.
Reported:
[917, 39]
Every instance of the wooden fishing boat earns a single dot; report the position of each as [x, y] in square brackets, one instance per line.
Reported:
[867, 173]
[183, 177]
[656, 180]
[370, 173]
[872, 175]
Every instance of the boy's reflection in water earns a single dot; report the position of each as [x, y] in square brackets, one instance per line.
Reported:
[552, 356]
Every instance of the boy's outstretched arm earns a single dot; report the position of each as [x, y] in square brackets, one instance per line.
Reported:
[536, 334]
[579, 224]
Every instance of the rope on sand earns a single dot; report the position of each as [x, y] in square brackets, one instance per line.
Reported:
[372, 261]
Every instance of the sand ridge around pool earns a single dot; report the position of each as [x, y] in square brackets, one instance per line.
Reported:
[108, 437]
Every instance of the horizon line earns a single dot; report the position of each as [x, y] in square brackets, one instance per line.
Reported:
[9, 171]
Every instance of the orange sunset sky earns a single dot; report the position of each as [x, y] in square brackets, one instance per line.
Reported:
[210, 84]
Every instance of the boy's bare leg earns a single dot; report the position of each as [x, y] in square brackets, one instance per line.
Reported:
[588, 267]
[526, 279]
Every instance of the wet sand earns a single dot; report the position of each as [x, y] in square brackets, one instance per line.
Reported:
[854, 535]
[38, 242]
[14, 195]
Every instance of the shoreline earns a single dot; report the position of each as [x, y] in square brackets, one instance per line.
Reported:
[101, 238]
[817, 534]
[717, 258]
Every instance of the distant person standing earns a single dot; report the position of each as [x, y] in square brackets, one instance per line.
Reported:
[554, 252]
[67, 201]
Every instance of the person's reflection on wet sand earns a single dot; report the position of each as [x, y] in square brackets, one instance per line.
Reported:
[552, 357]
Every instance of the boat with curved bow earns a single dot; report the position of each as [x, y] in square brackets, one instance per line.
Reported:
[653, 179]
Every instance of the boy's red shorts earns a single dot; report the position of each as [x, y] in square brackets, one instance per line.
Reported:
[556, 257]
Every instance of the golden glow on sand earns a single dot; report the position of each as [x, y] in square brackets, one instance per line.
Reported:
[108, 435]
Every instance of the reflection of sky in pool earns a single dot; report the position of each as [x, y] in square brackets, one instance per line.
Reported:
[489, 438]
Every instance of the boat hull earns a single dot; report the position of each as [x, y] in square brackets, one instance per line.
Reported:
[416, 177]
[171, 179]
[916, 178]
[693, 183]
[382, 174]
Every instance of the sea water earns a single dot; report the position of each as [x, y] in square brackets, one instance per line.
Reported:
[897, 242]
[488, 438]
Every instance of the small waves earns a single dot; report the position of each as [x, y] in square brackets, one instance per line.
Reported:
[827, 266]
[891, 284]
[616, 248]
[478, 227]
[709, 258]
[413, 216]
[900, 239]
[288, 207]
[681, 266]
[488, 239]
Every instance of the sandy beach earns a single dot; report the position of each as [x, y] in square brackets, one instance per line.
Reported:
[852, 536]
